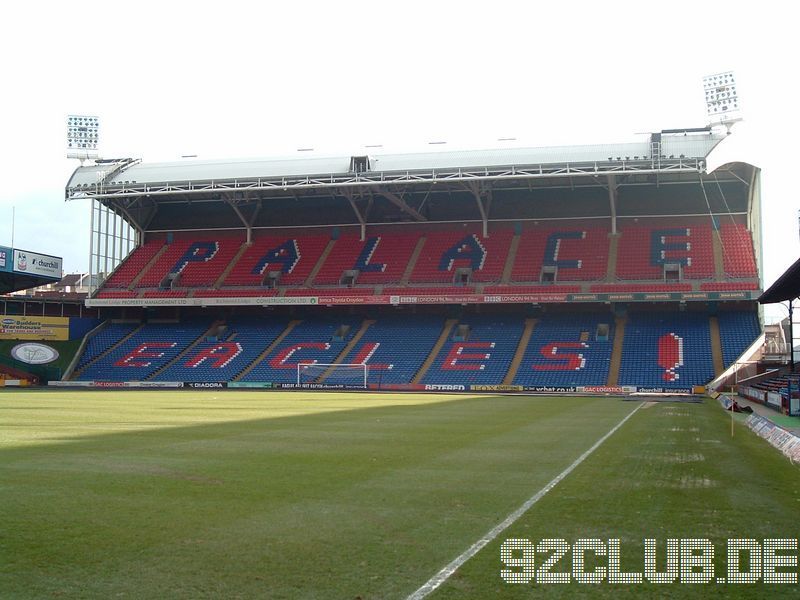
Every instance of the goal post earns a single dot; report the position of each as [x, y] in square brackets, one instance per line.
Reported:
[349, 374]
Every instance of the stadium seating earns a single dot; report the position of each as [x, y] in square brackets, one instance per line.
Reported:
[198, 260]
[334, 292]
[579, 253]
[532, 289]
[737, 251]
[630, 288]
[430, 290]
[380, 258]
[235, 293]
[104, 293]
[148, 350]
[124, 275]
[666, 350]
[294, 256]
[103, 340]
[165, 293]
[313, 340]
[644, 250]
[223, 359]
[446, 251]
[729, 286]
[737, 330]
[780, 385]
[396, 346]
[483, 358]
[564, 350]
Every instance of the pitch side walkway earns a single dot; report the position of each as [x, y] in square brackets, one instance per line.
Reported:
[791, 424]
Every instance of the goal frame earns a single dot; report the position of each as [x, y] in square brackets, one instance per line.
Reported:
[325, 367]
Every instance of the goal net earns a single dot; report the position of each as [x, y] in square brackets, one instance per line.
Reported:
[353, 375]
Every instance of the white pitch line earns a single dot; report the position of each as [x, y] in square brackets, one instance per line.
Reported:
[443, 575]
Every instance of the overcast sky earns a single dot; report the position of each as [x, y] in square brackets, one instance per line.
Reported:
[238, 79]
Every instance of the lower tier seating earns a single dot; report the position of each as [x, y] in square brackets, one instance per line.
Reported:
[666, 349]
[566, 350]
[145, 352]
[482, 357]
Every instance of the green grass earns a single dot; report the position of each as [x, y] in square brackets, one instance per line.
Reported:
[303, 495]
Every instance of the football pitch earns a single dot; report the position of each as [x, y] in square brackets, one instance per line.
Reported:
[238, 494]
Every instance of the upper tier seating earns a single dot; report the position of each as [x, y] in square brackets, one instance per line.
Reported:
[235, 292]
[124, 275]
[445, 252]
[737, 251]
[104, 293]
[579, 253]
[429, 290]
[632, 288]
[532, 289]
[200, 261]
[380, 258]
[294, 256]
[483, 358]
[728, 286]
[565, 350]
[359, 291]
[666, 350]
[643, 251]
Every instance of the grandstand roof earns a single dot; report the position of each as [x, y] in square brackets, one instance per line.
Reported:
[786, 287]
[677, 151]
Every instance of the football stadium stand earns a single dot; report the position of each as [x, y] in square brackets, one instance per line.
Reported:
[534, 269]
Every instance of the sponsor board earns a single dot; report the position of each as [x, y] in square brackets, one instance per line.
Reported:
[205, 384]
[117, 384]
[316, 386]
[605, 389]
[34, 354]
[661, 390]
[419, 299]
[37, 264]
[496, 388]
[262, 385]
[397, 387]
[156, 384]
[255, 301]
[444, 387]
[34, 328]
[5, 258]
[549, 389]
[783, 440]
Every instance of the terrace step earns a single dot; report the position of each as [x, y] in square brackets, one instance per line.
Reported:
[443, 337]
[524, 340]
[135, 281]
[616, 351]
